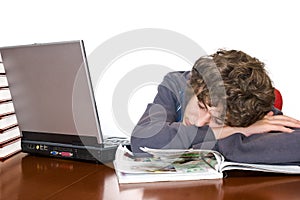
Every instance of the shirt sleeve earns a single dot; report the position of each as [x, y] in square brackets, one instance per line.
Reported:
[267, 148]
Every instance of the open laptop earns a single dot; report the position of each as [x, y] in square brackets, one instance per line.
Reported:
[54, 101]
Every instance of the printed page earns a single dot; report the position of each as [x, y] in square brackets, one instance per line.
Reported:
[168, 154]
[288, 169]
[151, 169]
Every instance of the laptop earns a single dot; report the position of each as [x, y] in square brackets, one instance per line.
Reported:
[54, 102]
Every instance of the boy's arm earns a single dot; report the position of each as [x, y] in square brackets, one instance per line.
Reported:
[269, 148]
[272, 140]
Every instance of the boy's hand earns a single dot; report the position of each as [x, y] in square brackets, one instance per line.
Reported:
[271, 122]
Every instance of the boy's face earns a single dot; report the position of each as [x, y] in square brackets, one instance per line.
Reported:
[194, 115]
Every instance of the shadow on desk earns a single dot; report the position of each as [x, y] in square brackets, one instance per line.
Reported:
[31, 177]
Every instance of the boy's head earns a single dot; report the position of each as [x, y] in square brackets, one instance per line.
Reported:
[236, 82]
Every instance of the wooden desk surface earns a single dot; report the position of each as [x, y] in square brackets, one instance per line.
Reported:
[31, 177]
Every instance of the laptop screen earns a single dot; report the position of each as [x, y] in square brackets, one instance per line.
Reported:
[51, 89]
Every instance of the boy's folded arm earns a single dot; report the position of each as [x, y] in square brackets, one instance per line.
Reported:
[160, 134]
[270, 148]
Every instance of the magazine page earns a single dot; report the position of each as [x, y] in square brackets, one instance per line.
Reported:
[127, 163]
[166, 168]
[288, 169]
[168, 154]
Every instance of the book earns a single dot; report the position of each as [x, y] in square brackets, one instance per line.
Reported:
[3, 81]
[9, 133]
[6, 107]
[10, 148]
[7, 120]
[2, 71]
[5, 94]
[182, 165]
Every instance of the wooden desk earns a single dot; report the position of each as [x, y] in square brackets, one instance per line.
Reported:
[30, 177]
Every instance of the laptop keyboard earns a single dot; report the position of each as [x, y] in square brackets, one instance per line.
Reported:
[116, 141]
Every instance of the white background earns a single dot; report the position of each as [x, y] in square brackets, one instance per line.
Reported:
[268, 30]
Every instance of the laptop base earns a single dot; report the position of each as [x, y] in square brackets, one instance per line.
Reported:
[78, 148]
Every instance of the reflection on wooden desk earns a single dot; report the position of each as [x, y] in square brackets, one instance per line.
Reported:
[43, 178]
[31, 177]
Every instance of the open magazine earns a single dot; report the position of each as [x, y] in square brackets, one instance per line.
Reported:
[182, 165]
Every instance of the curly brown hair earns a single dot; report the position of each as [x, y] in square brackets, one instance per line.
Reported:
[235, 81]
